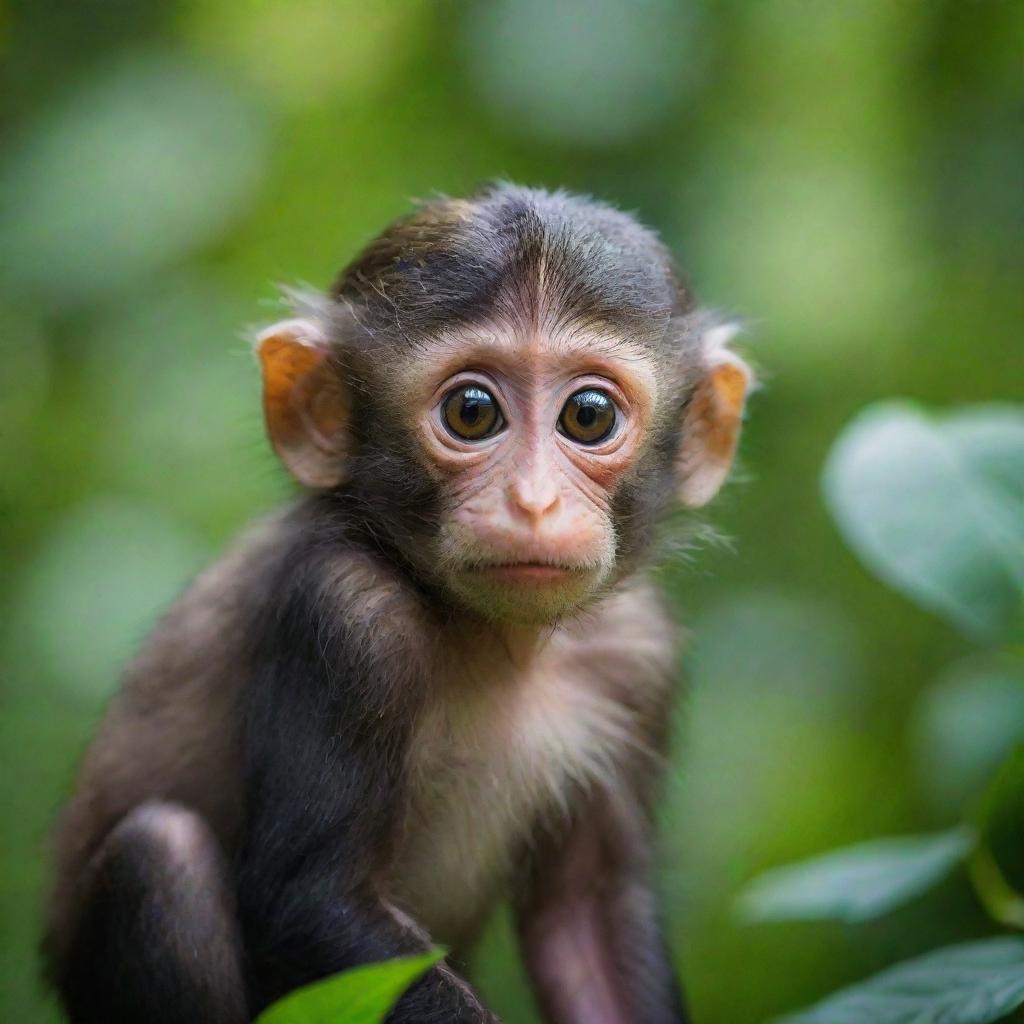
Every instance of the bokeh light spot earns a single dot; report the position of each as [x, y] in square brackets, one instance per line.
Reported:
[164, 155]
[586, 72]
[104, 574]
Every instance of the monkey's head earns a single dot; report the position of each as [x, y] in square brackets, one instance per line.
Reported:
[508, 392]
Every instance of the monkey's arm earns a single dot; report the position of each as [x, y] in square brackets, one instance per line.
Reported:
[324, 768]
[589, 926]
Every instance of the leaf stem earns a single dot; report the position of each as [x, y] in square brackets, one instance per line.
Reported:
[1001, 901]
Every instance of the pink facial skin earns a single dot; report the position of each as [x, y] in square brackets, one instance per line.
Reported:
[531, 534]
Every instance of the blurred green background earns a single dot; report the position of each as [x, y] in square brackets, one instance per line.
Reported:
[847, 177]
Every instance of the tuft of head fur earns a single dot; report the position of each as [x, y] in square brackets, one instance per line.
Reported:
[521, 256]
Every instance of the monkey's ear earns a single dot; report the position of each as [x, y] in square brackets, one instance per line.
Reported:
[304, 402]
[711, 428]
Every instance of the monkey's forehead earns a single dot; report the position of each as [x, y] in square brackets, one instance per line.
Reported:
[529, 359]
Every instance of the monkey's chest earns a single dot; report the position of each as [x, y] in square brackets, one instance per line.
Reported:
[486, 768]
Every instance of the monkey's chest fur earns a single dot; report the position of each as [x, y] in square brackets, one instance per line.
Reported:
[499, 756]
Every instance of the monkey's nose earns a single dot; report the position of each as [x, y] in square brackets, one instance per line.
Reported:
[533, 497]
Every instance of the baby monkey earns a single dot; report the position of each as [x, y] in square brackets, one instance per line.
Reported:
[440, 678]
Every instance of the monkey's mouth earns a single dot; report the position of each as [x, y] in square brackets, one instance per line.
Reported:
[531, 572]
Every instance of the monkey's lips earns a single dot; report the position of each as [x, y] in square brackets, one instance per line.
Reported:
[533, 573]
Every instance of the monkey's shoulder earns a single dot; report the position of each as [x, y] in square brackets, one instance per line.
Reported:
[299, 560]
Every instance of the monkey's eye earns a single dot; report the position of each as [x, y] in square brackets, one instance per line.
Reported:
[471, 412]
[588, 417]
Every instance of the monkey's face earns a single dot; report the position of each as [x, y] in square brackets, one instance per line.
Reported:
[506, 392]
[545, 459]
[529, 439]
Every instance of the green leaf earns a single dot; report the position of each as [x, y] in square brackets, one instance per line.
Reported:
[973, 983]
[933, 507]
[997, 868]
[991, 437]
[855, 883]
[364, 995]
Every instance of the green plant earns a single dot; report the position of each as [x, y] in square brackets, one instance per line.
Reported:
[363, 995]
[935, 507]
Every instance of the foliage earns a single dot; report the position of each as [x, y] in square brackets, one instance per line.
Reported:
[934, 506]
[363, 995]
[858, 882]
[973, 983]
